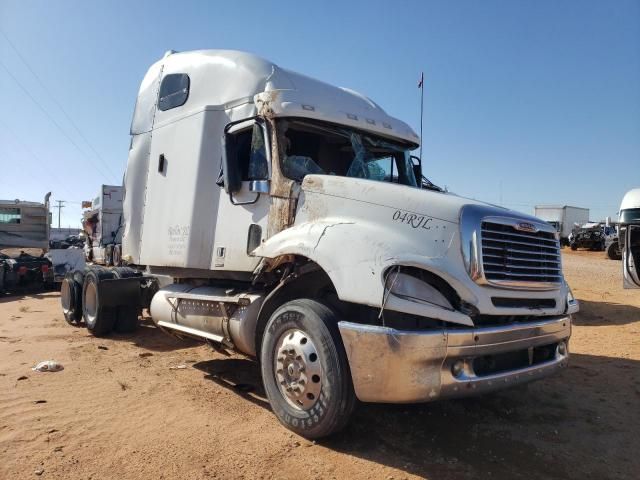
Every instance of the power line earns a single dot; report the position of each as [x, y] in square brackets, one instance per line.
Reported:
[49, 116]
[53, 99]
[36, 157]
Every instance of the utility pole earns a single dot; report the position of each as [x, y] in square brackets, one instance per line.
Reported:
[60, 206]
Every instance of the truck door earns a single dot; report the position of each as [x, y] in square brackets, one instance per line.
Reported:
[631, 256]
[242, 216]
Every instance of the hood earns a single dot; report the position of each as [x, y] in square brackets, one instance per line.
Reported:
[440, 205]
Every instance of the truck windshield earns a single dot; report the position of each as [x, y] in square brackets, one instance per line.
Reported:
[321, 148]
[631, 215]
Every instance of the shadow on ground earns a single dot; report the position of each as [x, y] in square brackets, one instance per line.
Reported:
[565, 426]
[604, 313]
[150, 337]
[27, 294]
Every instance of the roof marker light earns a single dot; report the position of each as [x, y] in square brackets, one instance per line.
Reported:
[386, 125]
[351, 116]
[370, 121]
[308, 107]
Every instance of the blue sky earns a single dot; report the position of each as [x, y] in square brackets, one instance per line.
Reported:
[526, 102]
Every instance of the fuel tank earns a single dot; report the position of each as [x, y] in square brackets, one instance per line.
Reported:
[217, 314]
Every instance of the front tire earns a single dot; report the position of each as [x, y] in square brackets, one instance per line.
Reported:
[613, 252]
[305, 370]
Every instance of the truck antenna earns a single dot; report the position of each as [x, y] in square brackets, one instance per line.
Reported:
[421, 87]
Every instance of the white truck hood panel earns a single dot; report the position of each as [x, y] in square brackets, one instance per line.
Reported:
[438, 205]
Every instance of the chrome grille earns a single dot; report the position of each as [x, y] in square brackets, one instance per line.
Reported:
[511, 256]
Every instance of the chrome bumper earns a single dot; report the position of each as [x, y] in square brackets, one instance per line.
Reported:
[395, 366]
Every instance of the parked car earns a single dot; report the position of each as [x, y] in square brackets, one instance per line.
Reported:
[589, 235]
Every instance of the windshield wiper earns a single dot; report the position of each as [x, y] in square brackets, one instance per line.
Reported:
[428, 185]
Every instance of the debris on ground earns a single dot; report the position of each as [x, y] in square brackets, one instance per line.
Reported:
[145, 354]
[48, 366]
[178, 367]
[23, 377]
[102, 347]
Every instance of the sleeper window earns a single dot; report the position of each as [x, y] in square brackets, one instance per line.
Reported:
[174, 91]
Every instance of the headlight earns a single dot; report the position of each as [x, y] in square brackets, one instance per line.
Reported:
[572, 304]
[411, 288]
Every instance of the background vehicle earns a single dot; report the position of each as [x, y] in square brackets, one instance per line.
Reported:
[629, 227]
[590, 235]
[563, 218]
[611, 242]
[313, 247]
[24, 226]
[102, 224]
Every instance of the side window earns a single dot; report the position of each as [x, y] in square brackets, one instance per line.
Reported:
[9, 215]
[258, 164]
[174, 91]
[251, 155]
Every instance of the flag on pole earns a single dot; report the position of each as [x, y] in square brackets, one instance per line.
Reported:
[421, 82]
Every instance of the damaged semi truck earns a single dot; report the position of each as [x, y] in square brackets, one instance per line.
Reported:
[285, 218]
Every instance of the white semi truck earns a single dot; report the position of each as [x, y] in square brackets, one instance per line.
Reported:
[102, 224]
[563, 217]
[285, 218]
[629, 238]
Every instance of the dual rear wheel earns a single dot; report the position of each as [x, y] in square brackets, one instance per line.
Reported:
[83, 294]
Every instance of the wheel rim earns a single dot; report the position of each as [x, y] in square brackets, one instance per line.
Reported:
[297, 369]
[90, 302]
[65, 296]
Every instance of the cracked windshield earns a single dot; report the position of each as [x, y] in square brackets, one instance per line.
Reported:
[319, 148]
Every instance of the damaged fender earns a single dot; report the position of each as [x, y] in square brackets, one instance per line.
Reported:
[358, 271]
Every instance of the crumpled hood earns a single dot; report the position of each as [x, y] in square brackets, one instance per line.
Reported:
[441, 205]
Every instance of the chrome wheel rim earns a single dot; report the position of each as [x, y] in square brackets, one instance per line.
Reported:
[297, 369]
[90, 302]
[65, 296]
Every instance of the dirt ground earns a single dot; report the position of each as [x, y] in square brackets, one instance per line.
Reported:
[119, 409]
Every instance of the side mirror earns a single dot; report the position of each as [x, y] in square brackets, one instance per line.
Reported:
[417, 169]
[230, 169]
[259, 186]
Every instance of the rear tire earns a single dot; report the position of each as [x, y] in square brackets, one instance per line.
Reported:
[98, 318]
[305, 370]
[71, 299]
[574, 246]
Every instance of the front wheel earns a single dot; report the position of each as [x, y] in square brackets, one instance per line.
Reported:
[305, 369]
[613, 252]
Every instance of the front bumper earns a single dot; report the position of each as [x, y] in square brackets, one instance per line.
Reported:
[395, 366]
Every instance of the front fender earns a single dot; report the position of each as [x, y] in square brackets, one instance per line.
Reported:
[356, 255]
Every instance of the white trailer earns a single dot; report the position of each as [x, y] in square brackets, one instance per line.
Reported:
[102, 223]
[563, 217]
[285, 218]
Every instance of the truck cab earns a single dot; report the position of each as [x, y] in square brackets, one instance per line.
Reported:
[629, 238]
[276, 215]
